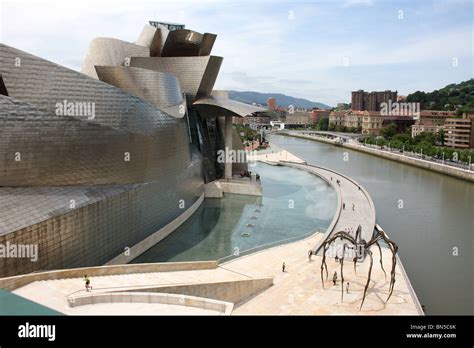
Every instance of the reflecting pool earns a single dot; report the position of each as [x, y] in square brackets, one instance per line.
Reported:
[294, 204]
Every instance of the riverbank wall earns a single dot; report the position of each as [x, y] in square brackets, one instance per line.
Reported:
[458, 173]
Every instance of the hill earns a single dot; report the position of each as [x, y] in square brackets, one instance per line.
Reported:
[458, 96]
[282, 99]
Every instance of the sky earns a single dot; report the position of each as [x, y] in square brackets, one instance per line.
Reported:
[318, 50]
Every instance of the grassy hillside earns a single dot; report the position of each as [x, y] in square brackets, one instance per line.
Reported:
[454, 96]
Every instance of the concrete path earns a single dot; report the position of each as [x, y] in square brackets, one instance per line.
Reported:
[54, 293]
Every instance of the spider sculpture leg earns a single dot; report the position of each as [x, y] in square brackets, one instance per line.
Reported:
[381, 263]
[342, 273]
[368, 277]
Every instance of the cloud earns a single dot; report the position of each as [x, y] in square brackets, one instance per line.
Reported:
[350, 3]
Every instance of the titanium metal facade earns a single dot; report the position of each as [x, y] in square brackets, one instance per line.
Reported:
[196, 75]
[92, 163]
[153, 37]
[160, 89]
[184, 43]
[113, 52]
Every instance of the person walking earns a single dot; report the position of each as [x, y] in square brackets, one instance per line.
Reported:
[88, 283]
[310, 253]
[334, 278]
[337, 258]
[353, 206]
[343, 206]
[347, 288]
[257, 177]
[283, 267]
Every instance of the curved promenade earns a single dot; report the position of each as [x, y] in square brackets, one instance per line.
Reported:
[355, 207]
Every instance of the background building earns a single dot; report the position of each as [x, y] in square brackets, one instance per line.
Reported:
[257, 121]
[337, 118]
[436, 117]
[272, 104]
[297, 119]
[316, 115]
[424, 126]
[365, 101]
[459, 132]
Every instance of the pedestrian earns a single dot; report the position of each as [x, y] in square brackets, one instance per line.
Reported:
[88, 283]
[283, 267]
[343, 206]
[334, 278]
[331, 178]
[347, 287]
[359, 188]
[337, 258]
[257, 177]
[353, 206]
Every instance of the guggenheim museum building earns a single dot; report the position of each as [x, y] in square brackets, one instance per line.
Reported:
[94, 162]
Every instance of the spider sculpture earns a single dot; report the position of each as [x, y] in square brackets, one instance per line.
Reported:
[360, 249]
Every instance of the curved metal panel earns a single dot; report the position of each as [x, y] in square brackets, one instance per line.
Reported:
[3, 89]
[219, 106]
[185, 43]
[113, 52]
[207, 43]
[196, 75]
[48, 86]
[104, 221]
[182, 43]
[158, 88]
[154, 38]
[39, 148]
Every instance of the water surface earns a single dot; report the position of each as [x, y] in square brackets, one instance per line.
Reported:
[294, 204]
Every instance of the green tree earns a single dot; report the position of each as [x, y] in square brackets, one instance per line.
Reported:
[389, 131]
[323, 124]
[440, 137]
